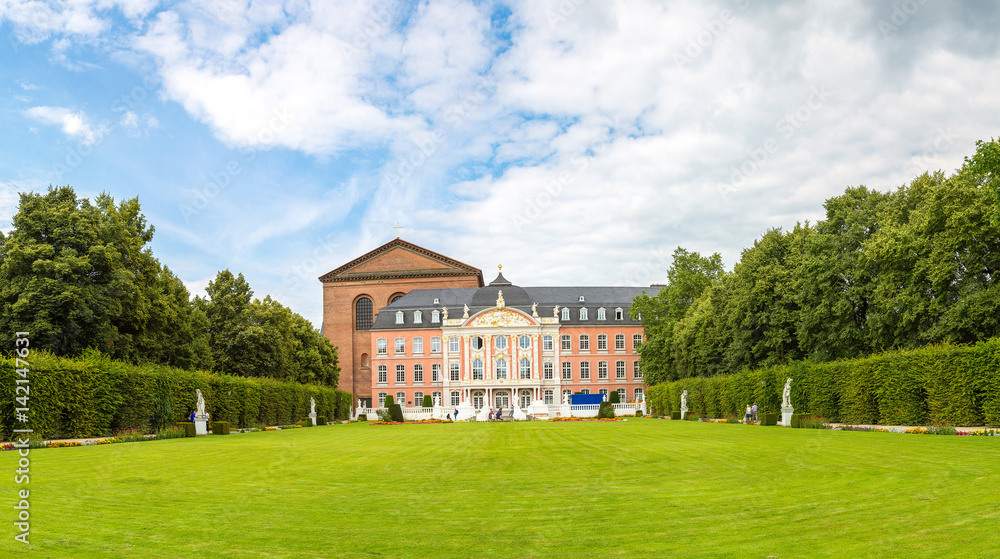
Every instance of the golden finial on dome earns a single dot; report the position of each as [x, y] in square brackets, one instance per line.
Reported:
[500, 267]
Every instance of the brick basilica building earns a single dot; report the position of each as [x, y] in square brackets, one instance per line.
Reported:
[410, 322]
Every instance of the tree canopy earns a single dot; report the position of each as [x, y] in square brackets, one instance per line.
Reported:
[80, 275]
[883, 270]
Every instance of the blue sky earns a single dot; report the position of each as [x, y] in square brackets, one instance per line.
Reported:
[573, 141]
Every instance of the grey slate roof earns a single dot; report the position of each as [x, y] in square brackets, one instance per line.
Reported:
[610, 298]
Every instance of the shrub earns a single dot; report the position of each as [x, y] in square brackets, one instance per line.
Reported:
[769, 419]
[941, 429]
[812, 422]
[305, 422]
[675, 415]
[189, 429]
[691, 416]
[320, 420]
[606, 411]
[388, 401]
[732, 419]
[220, 427]
[638, 413]
[794, 421]
[613, 398]
[171, 432]
[428, 401]
[396, 413]
[363, 417]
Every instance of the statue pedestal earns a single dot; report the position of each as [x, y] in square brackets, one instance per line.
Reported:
[483, 414]
[565, 410]
[684, 412]
[539, 410]
[200, 425]
[437, 412]
[519, 414]
[786, 417]
[465, 411]
[642, 408]
[312, 417]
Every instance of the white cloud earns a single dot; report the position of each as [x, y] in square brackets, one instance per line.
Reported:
[76, 125]
[8, 205]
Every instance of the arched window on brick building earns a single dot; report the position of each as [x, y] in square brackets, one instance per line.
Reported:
[363, 314]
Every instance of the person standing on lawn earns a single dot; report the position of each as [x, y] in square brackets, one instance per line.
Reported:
[749, 414]
[754, 410]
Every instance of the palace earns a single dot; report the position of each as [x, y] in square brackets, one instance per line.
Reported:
[496, 345]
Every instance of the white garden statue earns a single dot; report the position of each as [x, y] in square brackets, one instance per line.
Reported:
[312, 406]
[786, 395]
[201, 403]
[684, 400]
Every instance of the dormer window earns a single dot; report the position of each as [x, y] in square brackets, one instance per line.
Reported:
[418, 317]
[399, 317]
[600, 314]
[583, 313]
[437, 301]
[619, 314]
[565, 313]
[435, 316]
[581, 298]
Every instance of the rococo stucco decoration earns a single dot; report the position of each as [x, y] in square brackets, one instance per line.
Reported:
[501, 318]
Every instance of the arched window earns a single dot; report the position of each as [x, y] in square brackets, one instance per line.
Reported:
[435, 316]
[565, 313]
[501, 342]
[583, 313]
[601, 314]
[363, 314]
[524, 342]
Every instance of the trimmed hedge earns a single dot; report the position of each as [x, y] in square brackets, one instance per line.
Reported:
[606, 411]
[93, 396]
[189, 428]
[396, 413]
[945, 383]
[363, 417]
[428, 401]
[220, 428]
[675, 415]
[769, 419]
[320, 420]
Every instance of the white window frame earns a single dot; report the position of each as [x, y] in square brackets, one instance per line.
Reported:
[400, 373]
[418, 369]
[565, 313]
[567, 370]
[585, 370]
[383, 374]
[455, 372]
[584, 342]
[619, 314]
[549, 396]
[435, 372]
[524, 341]
[619, 370]
[636, 370]
[418, 399]
[401, 399]
[525, 368]
[619, 342]
[382, 346]
[477, 369]
[566, 342]
[547, 369]
[381, 399]
[418, 317]
[435, 316]
[456, 397]
[399, 346]
[602, 370]
[436, 344]
[399, 317]
[500, 342]
[418, 346]
[583, 313]
[602, 342]
[601, 314]
[454, 344]
[547, 343]
[497, 372]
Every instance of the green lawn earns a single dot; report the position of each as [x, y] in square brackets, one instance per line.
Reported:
[641, 488]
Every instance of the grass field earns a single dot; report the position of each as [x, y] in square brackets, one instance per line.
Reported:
[641, 488]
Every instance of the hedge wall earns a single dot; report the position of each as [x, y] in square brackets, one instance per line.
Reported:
[945, 383]
[94, 396]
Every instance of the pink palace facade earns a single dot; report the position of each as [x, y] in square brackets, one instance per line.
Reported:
[501, 345]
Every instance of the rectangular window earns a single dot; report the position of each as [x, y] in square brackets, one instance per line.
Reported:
[381, 399]
[638, 394]
[602, 391]
[602, 370]
[383, 375]
[567, 370]
[620, 370]
[584, 370]
[636, 342]
[401, 398]
[453, 344]
[602, 342]
[547, 370]
[456, 398]
[619, 342]
[584, 342]
[400, 374]
[636, 371]
[547, 343]
[548, 397]
[399, 317]
[418, 373]
[418, 346]
[382, 346]
[400, 346]
[418, 317]
[418, 399]
[566, 341]
[585, 391]
[436, 344]
[435, 372]
[621, 394]
[600, 314]
[565, 314]
[619, 314]
[454, 373]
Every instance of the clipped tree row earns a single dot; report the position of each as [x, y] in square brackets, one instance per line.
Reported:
[944, 383]
[94, 395]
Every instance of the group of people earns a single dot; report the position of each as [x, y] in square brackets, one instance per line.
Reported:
[498, 416]
[751, 414]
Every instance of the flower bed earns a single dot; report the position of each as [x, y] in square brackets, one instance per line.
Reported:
[587, 419]
[415, 422]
